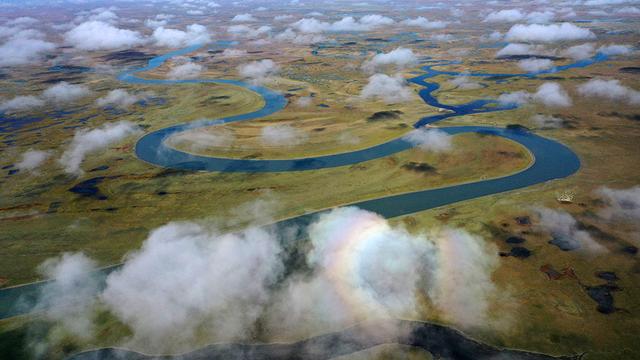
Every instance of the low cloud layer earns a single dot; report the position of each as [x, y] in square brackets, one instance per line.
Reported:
[190, 281]
[89, 141]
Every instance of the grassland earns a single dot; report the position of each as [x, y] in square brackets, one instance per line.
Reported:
[40, 218]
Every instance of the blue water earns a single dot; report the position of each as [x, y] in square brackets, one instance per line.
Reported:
[552, 160]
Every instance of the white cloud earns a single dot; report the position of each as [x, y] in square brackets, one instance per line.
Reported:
[194, 34]
[69, 298]
[514, 15]
[188, 278]
[391, 89]
[304, 101]
[623, 204]
[98, 35]
[187, 70]
[611, 90]
[424, 23]
[540, 17]
[580, 52]
[282, 17]
[464, 82]
[248, 31]
[24, 47]
[400, 57]
[234, 53]
[430, 140]
[507, 15]
[521, 49]
[463, 288]
[63, 92]
[282, 135]
[548, 33]
[118, 97]
[535, 65]
[613, 50]
[32, 159]
[190, 281]
[547, 121]
[89, 141]
[442, 37]
[365, 23]
[244, 18]
[291, 36]
[259, 71]
[550, 94]
[564, 229]
[197, 140]
[21, 103]
[22, 21]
